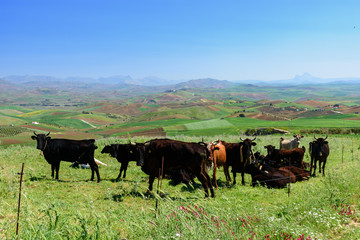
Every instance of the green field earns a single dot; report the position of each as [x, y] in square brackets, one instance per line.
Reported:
[75, 208]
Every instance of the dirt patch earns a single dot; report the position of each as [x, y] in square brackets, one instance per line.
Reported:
[312, 103]
[213, 108]
[38, 128]
[118, 130]
[156, 132]
[266, 117]
[351, 109]
[355, 118]
[315, 113]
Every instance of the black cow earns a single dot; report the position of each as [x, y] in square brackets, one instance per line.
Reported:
[177, 155]
[123, 153]
[56, 150]
[238, 155]
[319, 150]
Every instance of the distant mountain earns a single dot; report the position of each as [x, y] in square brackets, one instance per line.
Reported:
[206, 83]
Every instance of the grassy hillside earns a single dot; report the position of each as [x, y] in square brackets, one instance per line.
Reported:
[75, 208]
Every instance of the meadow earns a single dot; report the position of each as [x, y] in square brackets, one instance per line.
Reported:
[76, 208]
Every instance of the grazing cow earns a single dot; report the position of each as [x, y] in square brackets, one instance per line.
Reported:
[56, 150]
[218, 157]
[269, 176]
[319, 150]
[171, 155]
[278, 158]
[238, 155]
[300, 174]
[290, 144]
[123, 153]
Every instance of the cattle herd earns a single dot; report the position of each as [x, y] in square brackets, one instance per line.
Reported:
[183, 161]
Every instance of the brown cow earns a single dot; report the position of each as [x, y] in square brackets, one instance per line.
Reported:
[269, 176]
[300, 174]
[238, 155]
[218, 157]
[280, 158]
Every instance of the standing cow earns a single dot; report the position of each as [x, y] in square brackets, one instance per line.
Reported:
[218, 157]
[174, 155]
[319, 151]
[290, 144]
[56, 150]
[123, 153]
[238, 155]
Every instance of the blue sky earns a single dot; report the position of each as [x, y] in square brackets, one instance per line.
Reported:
[180, 39]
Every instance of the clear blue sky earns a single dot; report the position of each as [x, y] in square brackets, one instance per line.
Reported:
[180, 39]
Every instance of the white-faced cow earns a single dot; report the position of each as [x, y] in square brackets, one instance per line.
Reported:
[290, 144]
[319, 150]
[56, 150]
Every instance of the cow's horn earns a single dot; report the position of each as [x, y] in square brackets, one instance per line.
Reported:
[132, 143]
[241, 139]
[326, 137]
[35, 133]
[315, 138]
[48, 134]
[253, 139]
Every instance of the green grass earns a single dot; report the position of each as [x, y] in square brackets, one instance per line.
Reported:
[74, 208]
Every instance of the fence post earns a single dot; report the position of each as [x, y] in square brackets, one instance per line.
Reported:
[19, 202]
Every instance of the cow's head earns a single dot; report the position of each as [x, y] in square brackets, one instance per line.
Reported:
[321, 141]
[246, 148]
[298, 137]
[270, 149]
[106, 149]
[140, 151]
[41, 139]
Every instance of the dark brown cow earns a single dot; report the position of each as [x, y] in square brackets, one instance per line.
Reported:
[218, 157]
[278, 158]
[319, 150]
[56, 150]
[238, 155]
[269, 176]
[300, 174]
[191, 157]
[123, 153]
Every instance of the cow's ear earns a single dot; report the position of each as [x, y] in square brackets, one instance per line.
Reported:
[253, 143]
[33, 137]
[302, 136]
[326, 142]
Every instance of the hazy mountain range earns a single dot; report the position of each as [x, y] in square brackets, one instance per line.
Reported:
[123, 80]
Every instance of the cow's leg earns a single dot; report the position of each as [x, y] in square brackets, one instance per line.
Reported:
[227, 175]
[323, 168]
[125, 168]
[151, 181]
[234, 176]
[315, 162]
[208, 179]
[311, 165]
[200, 175]
[94, 168]
[52, 170]
[242, 177]
[214, 175]
[57, 167]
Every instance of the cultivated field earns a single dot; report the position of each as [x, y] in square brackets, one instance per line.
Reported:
[75, 208]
